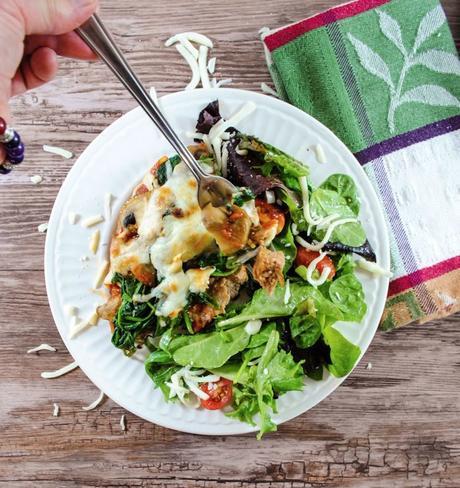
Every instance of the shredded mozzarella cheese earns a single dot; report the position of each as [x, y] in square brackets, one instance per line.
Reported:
[202, 66]
[101, 274]
[269, 90]
[96, 402]
[42, 347]
[373, 268]
[253, 327]
[42, 228]
[58, 151]
[70, 310]
[319, 152]
[72, 217]
[192, 62]
[306, 202]
[36, 179]
[59, 372]
[224, 160]
[270, 196]
[312, 268]
[327, 235]
[91, 221]
[94, 241]
[212, 65]
[287, 293]
[108, 197]
[78, 328]
[123, 423]
[56, 410]
[225, 81]
[94, 318]
[191, 36]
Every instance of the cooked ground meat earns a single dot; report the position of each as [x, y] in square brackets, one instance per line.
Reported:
[268, 269]
[222, 290]
[110, 308]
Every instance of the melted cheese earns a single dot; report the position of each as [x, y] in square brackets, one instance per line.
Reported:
[182, 237]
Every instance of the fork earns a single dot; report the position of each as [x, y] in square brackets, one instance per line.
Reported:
[211, 189]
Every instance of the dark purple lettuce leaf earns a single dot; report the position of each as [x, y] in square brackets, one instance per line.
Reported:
[242, 172]
[209, 116]
[365, 250]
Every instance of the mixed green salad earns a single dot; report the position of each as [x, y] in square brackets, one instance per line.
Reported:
[279, 273]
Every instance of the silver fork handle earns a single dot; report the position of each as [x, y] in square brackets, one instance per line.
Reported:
[98, 38]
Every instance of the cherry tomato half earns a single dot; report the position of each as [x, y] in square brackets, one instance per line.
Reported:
[220, 394]
[305, 257]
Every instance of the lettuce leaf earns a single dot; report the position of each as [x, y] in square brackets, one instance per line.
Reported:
[343, 354]
[263, 305]
[212, 350]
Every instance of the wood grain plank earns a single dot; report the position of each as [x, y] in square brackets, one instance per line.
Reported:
[395, 425]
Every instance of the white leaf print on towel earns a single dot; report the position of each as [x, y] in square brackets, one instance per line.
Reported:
[433, 59]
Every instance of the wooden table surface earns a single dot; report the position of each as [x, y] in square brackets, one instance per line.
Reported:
[394, 425]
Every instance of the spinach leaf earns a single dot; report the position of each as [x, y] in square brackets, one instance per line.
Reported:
[245, 404]
[161, 171]
[224, 265]
[284, 242]
[347, 293]
[345, 187]
[327, 202]
[264, 306]
[133, 320]
[212, 350]
[343, 353]
[305, 330]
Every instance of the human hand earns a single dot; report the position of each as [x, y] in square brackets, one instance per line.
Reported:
[32, 34]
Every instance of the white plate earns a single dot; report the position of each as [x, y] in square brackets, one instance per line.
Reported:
[114, 162]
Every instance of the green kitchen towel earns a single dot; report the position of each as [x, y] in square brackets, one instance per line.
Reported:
[384, 76]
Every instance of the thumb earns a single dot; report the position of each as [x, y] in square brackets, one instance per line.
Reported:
[54, 16]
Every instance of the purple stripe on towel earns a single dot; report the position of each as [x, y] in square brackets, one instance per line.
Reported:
[407, 139]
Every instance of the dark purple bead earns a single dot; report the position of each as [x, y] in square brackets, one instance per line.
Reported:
[14, 142]
[16, 159]
[4, 170]
[16, 151]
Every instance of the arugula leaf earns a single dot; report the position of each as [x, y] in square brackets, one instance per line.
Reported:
[160, 374]
[263, 387]
[343, 353]
[284, 373]
[262, 336]
[133, 320]
[275, 156]
[345, 187]
[327, 202]
[345, 265]
[284, 242]
[161, 171]
[213, 349]
[347, 293]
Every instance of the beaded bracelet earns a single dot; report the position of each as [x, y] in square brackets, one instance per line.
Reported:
[13, 146]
